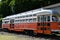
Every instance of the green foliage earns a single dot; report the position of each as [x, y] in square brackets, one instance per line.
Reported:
[8, 7]
[25, 5]
[0, 3]
[5, 8]
[12, 3]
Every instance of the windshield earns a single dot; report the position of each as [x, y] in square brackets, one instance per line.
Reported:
[54, 18]
[59, 19]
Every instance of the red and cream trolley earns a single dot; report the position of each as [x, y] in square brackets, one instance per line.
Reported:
[41, 21]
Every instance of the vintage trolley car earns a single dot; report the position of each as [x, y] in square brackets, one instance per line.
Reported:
[42, 21]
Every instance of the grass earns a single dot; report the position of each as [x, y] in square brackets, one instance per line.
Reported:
[8, 37]
[12, 37]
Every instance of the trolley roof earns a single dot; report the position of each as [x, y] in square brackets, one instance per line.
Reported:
[33, 12]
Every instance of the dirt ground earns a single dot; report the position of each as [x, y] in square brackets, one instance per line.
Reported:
[14, 36]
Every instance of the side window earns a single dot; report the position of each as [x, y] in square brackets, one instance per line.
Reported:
[27, 20]
[12, 21]
[30, 15]
[6, 22]
[23, 16]
[34, 14]
[59, 19]
[54, 18]
[34, 19]
[30, 20]
[42, 19]
[20, 16]
[39, 19]
[26, 15]
[48, 18]
[24, 20]
[20, 21]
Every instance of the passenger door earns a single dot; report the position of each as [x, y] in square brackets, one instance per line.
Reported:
[44, 24]
[40, 24]
[12, 23]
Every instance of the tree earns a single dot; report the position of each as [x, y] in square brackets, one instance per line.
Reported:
[5, 8]
[9, 7]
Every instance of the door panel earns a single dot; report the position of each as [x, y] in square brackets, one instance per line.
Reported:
[12, 23]
[44, 24]
[39, 24]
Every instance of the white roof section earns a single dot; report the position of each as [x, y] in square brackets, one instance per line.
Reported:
[29, 12]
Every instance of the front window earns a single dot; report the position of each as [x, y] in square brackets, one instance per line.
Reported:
[59, 19]
[54, 18]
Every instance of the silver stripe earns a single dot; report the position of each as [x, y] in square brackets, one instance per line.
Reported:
[55, 30]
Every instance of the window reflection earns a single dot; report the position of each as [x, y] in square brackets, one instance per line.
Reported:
[54, 18]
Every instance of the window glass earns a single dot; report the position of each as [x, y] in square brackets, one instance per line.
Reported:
[27, 20]
[34, 14]
[48, 18]
[30, 20]
[17, 21]
[59, 19]
[30, 15]
[26, 15]
[42, 19]
[20, 16]
[34, 19]
[6, 21]
[39, 19]
[21, 21]
[54, 18]
[12, 21]
[23, 16]
[15, 17]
